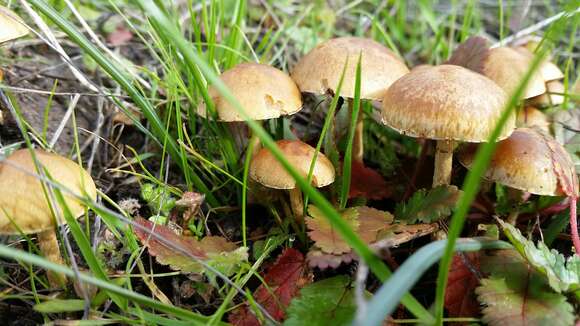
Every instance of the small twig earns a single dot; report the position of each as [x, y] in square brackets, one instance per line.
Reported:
[63, 122]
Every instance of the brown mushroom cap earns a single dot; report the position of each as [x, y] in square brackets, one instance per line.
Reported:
[531, 117]
[445, 102]
[526, 161]
[507, 67]
[11, 26]
[321, 69]
[552, 96]
[263, 91]
[21, 194]
[266, 170]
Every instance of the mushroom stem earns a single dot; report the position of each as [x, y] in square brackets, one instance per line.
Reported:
[574, 224]
[48, 243]
[443, 162]
[255, 141]
[513, 217]
[357, 142]
[297, 203]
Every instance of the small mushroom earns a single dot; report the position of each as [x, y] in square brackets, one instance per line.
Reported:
[320, 70]
[532, 162]
[446, 103]
[25, 207]
[531, 117]
[263, 91]
[266, 170]
[553, 95]
[504, 65]
[11, 26]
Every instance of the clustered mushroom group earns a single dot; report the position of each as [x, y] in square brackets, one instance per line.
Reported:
[460, 101]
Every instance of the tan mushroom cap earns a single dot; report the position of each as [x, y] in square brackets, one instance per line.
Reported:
[553, 96]
[507, 67]
[525, 161]
[263, 91]
[21, 194]
[531, 117]
[445, 102]
[548, 70]
[266, 170]
[11, 26]
[321, 69]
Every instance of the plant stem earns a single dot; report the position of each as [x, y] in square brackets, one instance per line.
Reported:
[48, 243]
[357, 142]
[513, 217]
[574, 224]
[297, 204]
[443, 162]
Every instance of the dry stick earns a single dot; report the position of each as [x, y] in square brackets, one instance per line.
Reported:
[443, 162]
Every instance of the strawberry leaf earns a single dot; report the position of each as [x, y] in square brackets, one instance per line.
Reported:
[320, 259]
[460, 299]
[367, 222]
[324, 235]
[428, 206]
[515, 294]
[562, 274]
[284, 278]
[368, 183]
[215, 251]
[330, 301]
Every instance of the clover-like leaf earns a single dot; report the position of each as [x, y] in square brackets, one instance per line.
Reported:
[327, 302]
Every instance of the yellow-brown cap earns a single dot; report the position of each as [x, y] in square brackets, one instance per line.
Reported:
[445, 102]
[266, 170]
[21, 194]
[11, 26]
[553, 96]
[263, 91]
[527, 160]
[320, 70]
[507, 67]
[531, 117]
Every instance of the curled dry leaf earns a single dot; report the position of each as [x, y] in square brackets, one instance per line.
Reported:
[402, 233]
[367, 183]
[283, 279]
[319, 259]
[215, 251]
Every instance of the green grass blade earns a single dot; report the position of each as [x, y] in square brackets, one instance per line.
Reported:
[108, 286]
[172, 35]
[386, 299]
[347, 161]
[159, 131]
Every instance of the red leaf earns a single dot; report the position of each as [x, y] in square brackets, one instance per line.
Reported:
[368, 183]
[460, 298]
[284, 278]
[120, 36]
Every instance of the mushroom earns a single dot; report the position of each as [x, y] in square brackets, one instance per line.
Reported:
[263, 91]
[266, 170]
[531, 117]
[11, 26]
[532, 162]
[446, 103]
[320, 70]
[553, 95]
[548, 70]
[504, 65]
[25, 207]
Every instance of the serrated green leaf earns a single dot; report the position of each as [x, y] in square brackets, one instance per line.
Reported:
[428, 206]
[515, 294]
[327, 302]
[562, 274]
